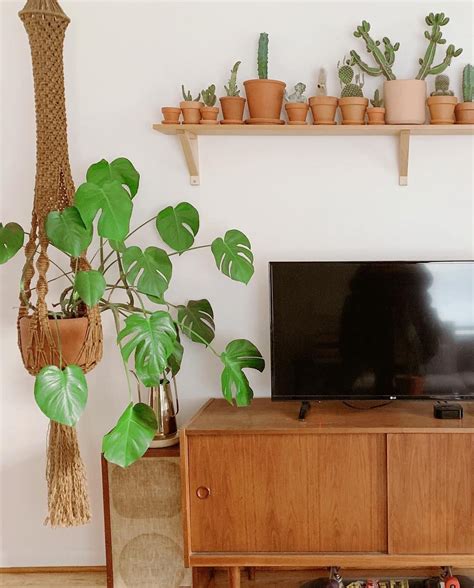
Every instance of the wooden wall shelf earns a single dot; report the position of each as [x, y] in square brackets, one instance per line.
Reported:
[188, 135]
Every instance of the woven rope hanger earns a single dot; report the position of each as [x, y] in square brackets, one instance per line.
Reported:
[46, 23]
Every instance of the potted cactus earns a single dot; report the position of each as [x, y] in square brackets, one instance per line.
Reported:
[352, 102]
[442, 102]
[323, 107]
[405, 99]
[209, 112]
[465, 110]
[265, 97]
[233, 103]
[296, 105]
[190, 107]
[376, 113]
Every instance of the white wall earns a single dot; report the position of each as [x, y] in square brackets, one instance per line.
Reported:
[296, 198]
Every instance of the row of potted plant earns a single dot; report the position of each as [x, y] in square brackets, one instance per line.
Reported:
[405, 100]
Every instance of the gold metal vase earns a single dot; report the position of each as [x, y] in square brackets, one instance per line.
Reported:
[165, 405]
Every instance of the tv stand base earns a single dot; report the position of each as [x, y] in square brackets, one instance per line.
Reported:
[304, 409]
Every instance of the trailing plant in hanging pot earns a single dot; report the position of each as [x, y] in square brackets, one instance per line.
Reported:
[131, 283]
[442, 102]
[352, 102]
[296, 105]
[264, 96]
[465, 110]
[323, 107]
[233, 103]
[405, 99]
[376, 112]
[190, 107]
[209, 112]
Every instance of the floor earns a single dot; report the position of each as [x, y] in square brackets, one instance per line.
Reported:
[264, 579]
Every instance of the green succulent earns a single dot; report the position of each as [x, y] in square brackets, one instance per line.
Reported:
[209, 95]
[187, 95]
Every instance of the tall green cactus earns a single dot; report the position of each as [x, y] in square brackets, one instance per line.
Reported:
[384, 59]
[232, 89]
[436, 21]
[468, 83]
[262, 57]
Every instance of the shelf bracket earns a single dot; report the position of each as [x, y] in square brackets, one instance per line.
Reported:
[404, 151]
[189, 144]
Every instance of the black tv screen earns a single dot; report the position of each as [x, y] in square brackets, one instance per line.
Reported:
[371, 330]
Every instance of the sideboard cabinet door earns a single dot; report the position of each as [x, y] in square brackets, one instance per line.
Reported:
[431, 493]
[286, 493]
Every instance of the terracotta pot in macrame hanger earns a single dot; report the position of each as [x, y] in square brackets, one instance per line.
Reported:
[39, 337]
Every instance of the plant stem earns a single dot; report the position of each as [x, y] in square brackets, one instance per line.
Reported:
[190, 249]
[123, 278]
[63, 272]
[117, 328]
[140, 226]
[101, 251]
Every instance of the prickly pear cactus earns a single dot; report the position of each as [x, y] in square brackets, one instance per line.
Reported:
[346, 75]
[468, 83]
[442, 86]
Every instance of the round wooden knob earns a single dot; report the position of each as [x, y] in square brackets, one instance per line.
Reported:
[202, 492]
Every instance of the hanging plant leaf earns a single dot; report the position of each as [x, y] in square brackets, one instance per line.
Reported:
[115, 205]
[175, 359]
[239, 354]
[118, 246]
[61, 394]
[196, 321]
[67, 231]
[131, 436]
[233, 256]
[152, 338]
[90, 285]
[153, 266]
[178, 226]
[12, 238]
[121, 169]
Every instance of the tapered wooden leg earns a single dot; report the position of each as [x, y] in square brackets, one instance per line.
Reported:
[234, 577]
[203, 577]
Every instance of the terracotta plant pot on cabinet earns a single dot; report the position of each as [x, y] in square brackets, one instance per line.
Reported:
[405, 102]
[353, 110]
[265, 99]
[191, 110]
[171, 115]
[232, 110]
[323, 109]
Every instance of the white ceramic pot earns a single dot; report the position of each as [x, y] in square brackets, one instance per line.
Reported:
[405, 102]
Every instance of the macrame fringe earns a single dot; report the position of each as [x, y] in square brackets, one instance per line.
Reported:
[68, 499]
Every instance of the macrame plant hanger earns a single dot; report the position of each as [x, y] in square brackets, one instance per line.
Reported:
[46, 23]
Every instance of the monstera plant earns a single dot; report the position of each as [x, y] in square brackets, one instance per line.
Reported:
[131, 283]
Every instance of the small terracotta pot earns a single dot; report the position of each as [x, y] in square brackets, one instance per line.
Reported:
[323, 109]
[376, 115]
[209, 115]
[191, 110]
[465, 113]
[405, 102]
[170, 115]
[296, 112]
[353, 110]
[72, 334]
[232, 109]
[442, 109]
[265, 98]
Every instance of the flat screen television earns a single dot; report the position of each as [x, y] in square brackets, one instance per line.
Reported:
[372, 330]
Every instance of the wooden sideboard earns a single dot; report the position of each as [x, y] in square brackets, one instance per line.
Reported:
[377, 489]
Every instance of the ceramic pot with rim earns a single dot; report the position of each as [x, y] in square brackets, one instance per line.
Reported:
[376, 115]
[405, 102]
[232, 110]
[191, 110]
[464, 112]
[265, 99]
[442, 109]
[171, 115]
[353, 109]
[209, 115]
[68, 334]
[323, 109]
[296, 112]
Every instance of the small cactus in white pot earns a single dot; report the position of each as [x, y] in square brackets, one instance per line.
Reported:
[233, 103]
[296, 105]
[209, 112]
[376, 112]
[442, 102]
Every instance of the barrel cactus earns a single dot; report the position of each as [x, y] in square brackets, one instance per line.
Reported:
[351, 83]
[468, 83]
[442, 86]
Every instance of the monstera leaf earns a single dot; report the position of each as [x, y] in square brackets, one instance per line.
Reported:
[152, 338]
[61, 394]
[196, 321]
[239, 354]
[153, 266]
[178, 226]
[114, 204]
[12, 238]
[90, 285]
[120, 169]
[131, 436]
[118, 246]
[67, 231]
[233, 256]
[176, 357]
